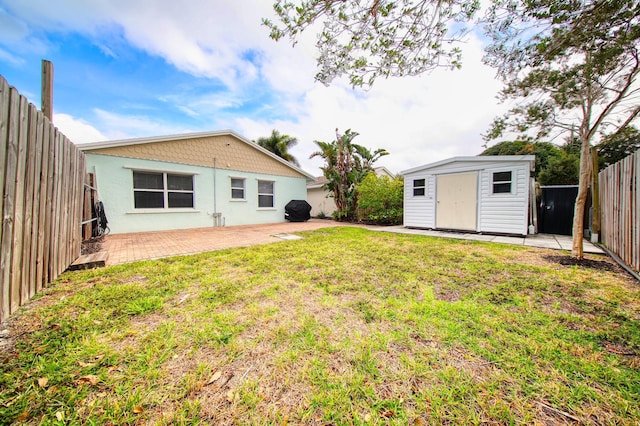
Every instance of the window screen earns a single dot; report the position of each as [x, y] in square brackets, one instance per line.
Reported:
[237, 189]
[158, 190]
[502, 182]
[419, 187]
[265, 193]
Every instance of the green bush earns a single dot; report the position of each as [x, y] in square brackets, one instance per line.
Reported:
[380, 200]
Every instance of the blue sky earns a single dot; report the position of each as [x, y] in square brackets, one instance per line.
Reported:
[154, 67]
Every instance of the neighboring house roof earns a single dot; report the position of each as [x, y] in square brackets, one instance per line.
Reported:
[477, 159]
[317, 182]
[224, 149]
[381, 171]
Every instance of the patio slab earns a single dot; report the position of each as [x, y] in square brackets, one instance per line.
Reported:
[127, 248]
[556, 242]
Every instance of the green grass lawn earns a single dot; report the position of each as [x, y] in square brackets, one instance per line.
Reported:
[346, 326]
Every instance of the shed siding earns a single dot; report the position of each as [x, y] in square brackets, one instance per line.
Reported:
[504, 213]
[420, 212]
[497, 213]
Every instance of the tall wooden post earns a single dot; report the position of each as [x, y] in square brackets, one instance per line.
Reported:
[47, 89]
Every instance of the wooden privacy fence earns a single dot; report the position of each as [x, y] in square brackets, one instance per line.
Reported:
[620, 209]
[41, 188]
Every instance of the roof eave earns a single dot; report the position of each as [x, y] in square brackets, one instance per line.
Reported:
[487, 158]
[153, 139]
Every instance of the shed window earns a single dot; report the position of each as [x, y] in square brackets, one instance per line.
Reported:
[419, 187]
[237, 189]
[265, 193]
[502, 182]
[159, 190]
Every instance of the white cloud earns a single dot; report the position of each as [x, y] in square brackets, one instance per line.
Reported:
[77, 130]
[419, 120]
[131, 126]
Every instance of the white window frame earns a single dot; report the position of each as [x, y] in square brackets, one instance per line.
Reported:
[244, 188]
[165, 190]
[272, 194]
[423, 187]
[511, 182]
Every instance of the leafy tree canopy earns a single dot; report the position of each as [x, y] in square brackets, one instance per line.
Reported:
[368, 39]
[279, 144]
[571, 66]
[615, 147]
[544, 152]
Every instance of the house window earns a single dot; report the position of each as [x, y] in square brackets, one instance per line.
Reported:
[502, 182]
[159, 190]
[419, 187]
[265, 193]
[237, 189]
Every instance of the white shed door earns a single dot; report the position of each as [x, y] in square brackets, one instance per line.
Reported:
[457, 196]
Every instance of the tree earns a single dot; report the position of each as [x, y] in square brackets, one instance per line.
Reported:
[545, 152]
[615, 147]
[563, 170]
[380, 199]
[279, 145]
[555, 165]
[376, 38]
[573, 67]
[346, 165]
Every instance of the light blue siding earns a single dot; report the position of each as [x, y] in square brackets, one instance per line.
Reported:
[115, 186]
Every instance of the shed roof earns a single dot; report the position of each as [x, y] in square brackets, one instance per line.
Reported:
[104, 145]
[531, 159]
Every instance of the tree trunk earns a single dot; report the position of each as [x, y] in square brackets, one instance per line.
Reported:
[581, 200]
[595, 196]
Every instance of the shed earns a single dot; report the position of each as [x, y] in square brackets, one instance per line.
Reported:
[487, 194]
[192, 180]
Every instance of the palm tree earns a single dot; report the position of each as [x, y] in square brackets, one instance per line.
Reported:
[279, 145]
[346, 165]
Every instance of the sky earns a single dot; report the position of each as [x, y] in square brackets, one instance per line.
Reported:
[126, 69]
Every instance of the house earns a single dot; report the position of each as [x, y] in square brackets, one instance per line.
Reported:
[190, 181]
[321, 200]
[489, 194]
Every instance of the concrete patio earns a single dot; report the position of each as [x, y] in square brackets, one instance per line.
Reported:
[556, 242]
[127, 248]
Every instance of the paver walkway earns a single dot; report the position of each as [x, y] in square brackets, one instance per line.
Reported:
[126, 248]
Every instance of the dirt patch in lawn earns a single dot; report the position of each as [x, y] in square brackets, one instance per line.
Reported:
[600, 265]
[92, 245]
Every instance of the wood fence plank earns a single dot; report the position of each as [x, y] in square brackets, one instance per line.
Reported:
[46, 257]
[42, 208]
[59, 207]
[636, 259]
[68, 210]
[11, 162]
[5, 103]
[80, 172]
[17, 293]
[35, 212]
[53, 265]
[27, 270]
